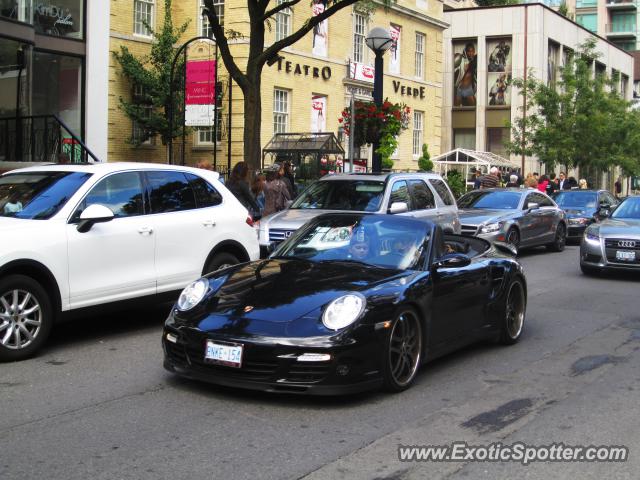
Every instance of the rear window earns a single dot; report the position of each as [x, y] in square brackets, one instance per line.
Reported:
[358, 196]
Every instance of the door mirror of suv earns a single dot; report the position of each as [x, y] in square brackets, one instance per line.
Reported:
[533, 205]
[93, 214]
[398, 207]
[452, 260]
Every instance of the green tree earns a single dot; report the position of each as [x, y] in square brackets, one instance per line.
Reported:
[248, 74]
[424, 162]
[496, 3]
[582, 121]
[456, 183]
[149, 76]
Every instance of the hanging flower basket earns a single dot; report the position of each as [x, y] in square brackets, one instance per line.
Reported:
[372, 123]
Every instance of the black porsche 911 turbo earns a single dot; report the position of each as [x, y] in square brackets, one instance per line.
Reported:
[350, 302]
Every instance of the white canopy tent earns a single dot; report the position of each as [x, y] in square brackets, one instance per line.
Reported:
[465, 160]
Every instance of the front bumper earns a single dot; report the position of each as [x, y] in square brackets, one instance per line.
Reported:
[598, 255]
[273, 366]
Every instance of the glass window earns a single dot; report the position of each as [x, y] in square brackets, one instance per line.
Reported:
[359, 35]
[170, 192]
[206, 194]
[586, 3]
[142, 14]
[120, 192]
[623, 22]
[360, 196]
[62, 18]
[629, 208]
[280, 110]
[422, 195]
[13, 55]
[464, 138]
[418, 133]
[588, 21]
[204, 135]
[496, 138]
[19, 10]
[400, 193]
[205, 28]
[443, 191]
[283, 22]
[139, 134]
[38, 195]
[419, 55]
[538, 198]
[568, 199]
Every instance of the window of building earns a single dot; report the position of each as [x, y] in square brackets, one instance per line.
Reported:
[205, 28]
[496, 138]
[624, 85]
[586, 3]
[142, 16]
[420, 55]
[62, 18]
[588, 21]
[283, 22]
[204, 135]
[418, 132]
[626, 45]
[19, 10]
[280, 110]
[359, 35]
[464, 138]
[139, 134]
[622, 22]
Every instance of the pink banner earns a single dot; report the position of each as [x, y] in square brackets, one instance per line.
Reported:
[200, 94]
[199, 71]
[200, 88]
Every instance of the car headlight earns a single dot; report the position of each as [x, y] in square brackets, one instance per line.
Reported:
[193, 294]
[592, 236]
[491, 227]
[578, 221]
[343, 311]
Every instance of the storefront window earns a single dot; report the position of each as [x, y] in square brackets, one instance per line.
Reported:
[57, 88]
[62, 18]
[19, 10]
[13, 56]
[496, 138]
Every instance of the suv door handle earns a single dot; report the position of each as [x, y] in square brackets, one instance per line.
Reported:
[209, 223]
[145, 230]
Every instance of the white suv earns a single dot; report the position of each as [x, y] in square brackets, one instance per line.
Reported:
[76, 236]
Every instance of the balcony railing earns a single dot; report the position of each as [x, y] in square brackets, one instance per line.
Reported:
[41, 138]
[623, 29]
[622, 4]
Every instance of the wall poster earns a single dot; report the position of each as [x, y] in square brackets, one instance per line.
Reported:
[499, 72]
[465, 73]
[320, 31]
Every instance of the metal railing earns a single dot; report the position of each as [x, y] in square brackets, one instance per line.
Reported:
[622, 4]
[41, 138]
[622, 28]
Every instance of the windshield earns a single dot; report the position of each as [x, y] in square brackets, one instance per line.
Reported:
[502, 200]
[629, 208]
[383, 241]
[576, 199]
[37, 195]
[352, 195]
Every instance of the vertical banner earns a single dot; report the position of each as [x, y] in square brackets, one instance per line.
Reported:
[318, 113]
[200, 93]
[465, 74]
[394, 59]
[320, 31]
[499, 72]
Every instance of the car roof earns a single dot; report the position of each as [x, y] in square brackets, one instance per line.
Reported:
[106, 167]
[377, 176]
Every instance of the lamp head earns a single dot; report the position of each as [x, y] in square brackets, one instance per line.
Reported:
[379, 40]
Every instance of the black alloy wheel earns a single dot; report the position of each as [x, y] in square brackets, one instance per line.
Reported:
[560, 240]
[220, 261]
[513, 237]
[513, 313]
[26, 317]
[404, 351]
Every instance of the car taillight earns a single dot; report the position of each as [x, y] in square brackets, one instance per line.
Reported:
[249, 221]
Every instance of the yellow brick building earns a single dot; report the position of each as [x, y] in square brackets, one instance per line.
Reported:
[326, 75]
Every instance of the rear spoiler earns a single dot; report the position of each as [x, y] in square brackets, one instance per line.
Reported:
[506, 248]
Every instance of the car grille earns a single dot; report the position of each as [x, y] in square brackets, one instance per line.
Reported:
[612, 245]
[279, 234]
[469, 230]
[305, 372]
[255, 369]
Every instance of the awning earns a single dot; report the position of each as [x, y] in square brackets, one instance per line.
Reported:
[294, 144]
[462, 156]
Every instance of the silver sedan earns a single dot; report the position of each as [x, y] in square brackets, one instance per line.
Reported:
[614, 243]
[520, 217]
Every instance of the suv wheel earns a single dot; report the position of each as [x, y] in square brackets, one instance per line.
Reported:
[220, 261]
[26, 317]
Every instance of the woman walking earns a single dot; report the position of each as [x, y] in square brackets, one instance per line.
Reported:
[238, 184]
[276, 193]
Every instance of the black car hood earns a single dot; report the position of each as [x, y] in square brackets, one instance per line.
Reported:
[284, 297]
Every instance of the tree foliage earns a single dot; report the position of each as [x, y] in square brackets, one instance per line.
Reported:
[496, 3]
[581, 121]
[248, 75]
[150, 76]
[424, 162]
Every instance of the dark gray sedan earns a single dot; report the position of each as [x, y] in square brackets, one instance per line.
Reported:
[522, 218]
[614, 243]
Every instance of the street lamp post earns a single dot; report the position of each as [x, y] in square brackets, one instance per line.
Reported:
[379, 41]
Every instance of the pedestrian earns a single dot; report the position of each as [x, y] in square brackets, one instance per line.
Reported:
[276, 193]
[618, 186]
[289, 179]
[571, 183]
[530, 181]
[238, 184]
[513, 181]
[582, 184]
[543, 182]
[552, 186]
[257, 188]
[476, 179]
[204, 164]
[491, 180]
[562, 182]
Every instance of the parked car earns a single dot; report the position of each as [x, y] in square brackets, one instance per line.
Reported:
[361, 316]
[421, 195]
[584, 207]
[520, 217]
[613, 243]
[77, 236]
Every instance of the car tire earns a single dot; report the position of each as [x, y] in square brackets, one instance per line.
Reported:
[560, 239]
[26, 317]
[220, 261]
[513, 237]
[402, 354]
[512, 315]
[590, 271]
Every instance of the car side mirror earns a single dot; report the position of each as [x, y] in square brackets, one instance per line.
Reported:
[452, 260]
[532, 206]
[398, 207]
[93, 214]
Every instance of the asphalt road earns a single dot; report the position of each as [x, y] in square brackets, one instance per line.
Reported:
[96, 403]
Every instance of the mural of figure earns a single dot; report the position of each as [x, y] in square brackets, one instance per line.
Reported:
[497, 92]
[465, 72]
[498, 58]
[320, 31]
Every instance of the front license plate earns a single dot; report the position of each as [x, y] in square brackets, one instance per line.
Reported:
[625, 255]
[229, 355]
